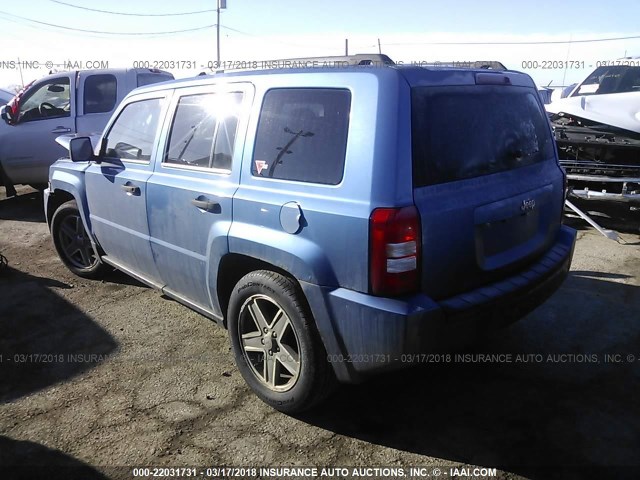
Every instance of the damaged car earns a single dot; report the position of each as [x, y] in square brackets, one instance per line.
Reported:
[597, 131]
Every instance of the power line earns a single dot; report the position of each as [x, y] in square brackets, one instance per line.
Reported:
[133, 14]
[106, 33]
[263, 38]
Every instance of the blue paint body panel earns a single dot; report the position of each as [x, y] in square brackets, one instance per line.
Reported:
[489, 242]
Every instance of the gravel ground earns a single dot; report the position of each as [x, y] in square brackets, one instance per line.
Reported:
[107, 375]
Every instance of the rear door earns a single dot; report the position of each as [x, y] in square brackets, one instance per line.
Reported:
[486, 180]
[117, 187]
[190, 193]
[98, 97]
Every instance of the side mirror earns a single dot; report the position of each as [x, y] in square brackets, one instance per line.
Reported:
[5, 114]
[80, 149]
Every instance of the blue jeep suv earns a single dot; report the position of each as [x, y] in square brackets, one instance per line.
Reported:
[337, 221]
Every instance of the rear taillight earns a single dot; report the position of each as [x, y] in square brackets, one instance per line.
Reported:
[394, 253]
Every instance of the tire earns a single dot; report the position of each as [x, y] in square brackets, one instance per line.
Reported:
[73, 244]
[267, 314]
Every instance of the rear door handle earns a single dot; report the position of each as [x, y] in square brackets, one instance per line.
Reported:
[205, 204]
[130, 188]
[61, 130]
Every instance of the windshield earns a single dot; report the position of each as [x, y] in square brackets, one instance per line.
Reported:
[611, 79]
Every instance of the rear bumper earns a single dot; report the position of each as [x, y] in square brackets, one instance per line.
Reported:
[364, 334]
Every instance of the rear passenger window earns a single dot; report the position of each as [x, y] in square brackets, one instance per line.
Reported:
[131, 136]
[204, 130]
[302, 135]
[100, 93]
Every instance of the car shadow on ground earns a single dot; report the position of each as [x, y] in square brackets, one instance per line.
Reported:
[562, 410]
[22, 460]
[26, 207]
[43, 338]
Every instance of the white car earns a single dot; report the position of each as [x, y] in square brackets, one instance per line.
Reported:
[609, 95]
[597, 130]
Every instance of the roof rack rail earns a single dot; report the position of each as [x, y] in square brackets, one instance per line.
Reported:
[377, 59]
[361, 59]
[476, 64]
[372, 59]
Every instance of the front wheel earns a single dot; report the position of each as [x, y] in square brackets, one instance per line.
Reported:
[275, 343]
[73, 244]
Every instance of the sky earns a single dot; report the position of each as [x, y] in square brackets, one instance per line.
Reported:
[550, 40]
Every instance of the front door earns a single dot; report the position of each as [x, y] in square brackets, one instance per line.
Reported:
[117, 187]
[46, 111]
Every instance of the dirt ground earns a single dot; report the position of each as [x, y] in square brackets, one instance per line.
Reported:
[103, 376]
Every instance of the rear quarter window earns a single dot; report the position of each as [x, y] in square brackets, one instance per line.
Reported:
[302, 135]
[465, 132]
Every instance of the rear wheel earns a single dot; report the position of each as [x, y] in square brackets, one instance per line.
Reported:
[276, 346]
[73, 243]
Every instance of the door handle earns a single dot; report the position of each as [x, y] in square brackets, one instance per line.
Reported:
[61, 130]
[129, 188]
[205, 204]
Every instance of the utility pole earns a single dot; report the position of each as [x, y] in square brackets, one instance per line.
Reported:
[346, 47]
[221, 4]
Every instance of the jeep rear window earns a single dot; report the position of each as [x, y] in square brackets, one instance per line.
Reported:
[302, 135]
[467, 131]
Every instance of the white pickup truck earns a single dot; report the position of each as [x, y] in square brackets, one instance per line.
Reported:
[61, 103]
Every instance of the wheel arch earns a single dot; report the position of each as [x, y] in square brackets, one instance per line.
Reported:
[234, 266]
[57, 198]
[66, 187]
[69, 185]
